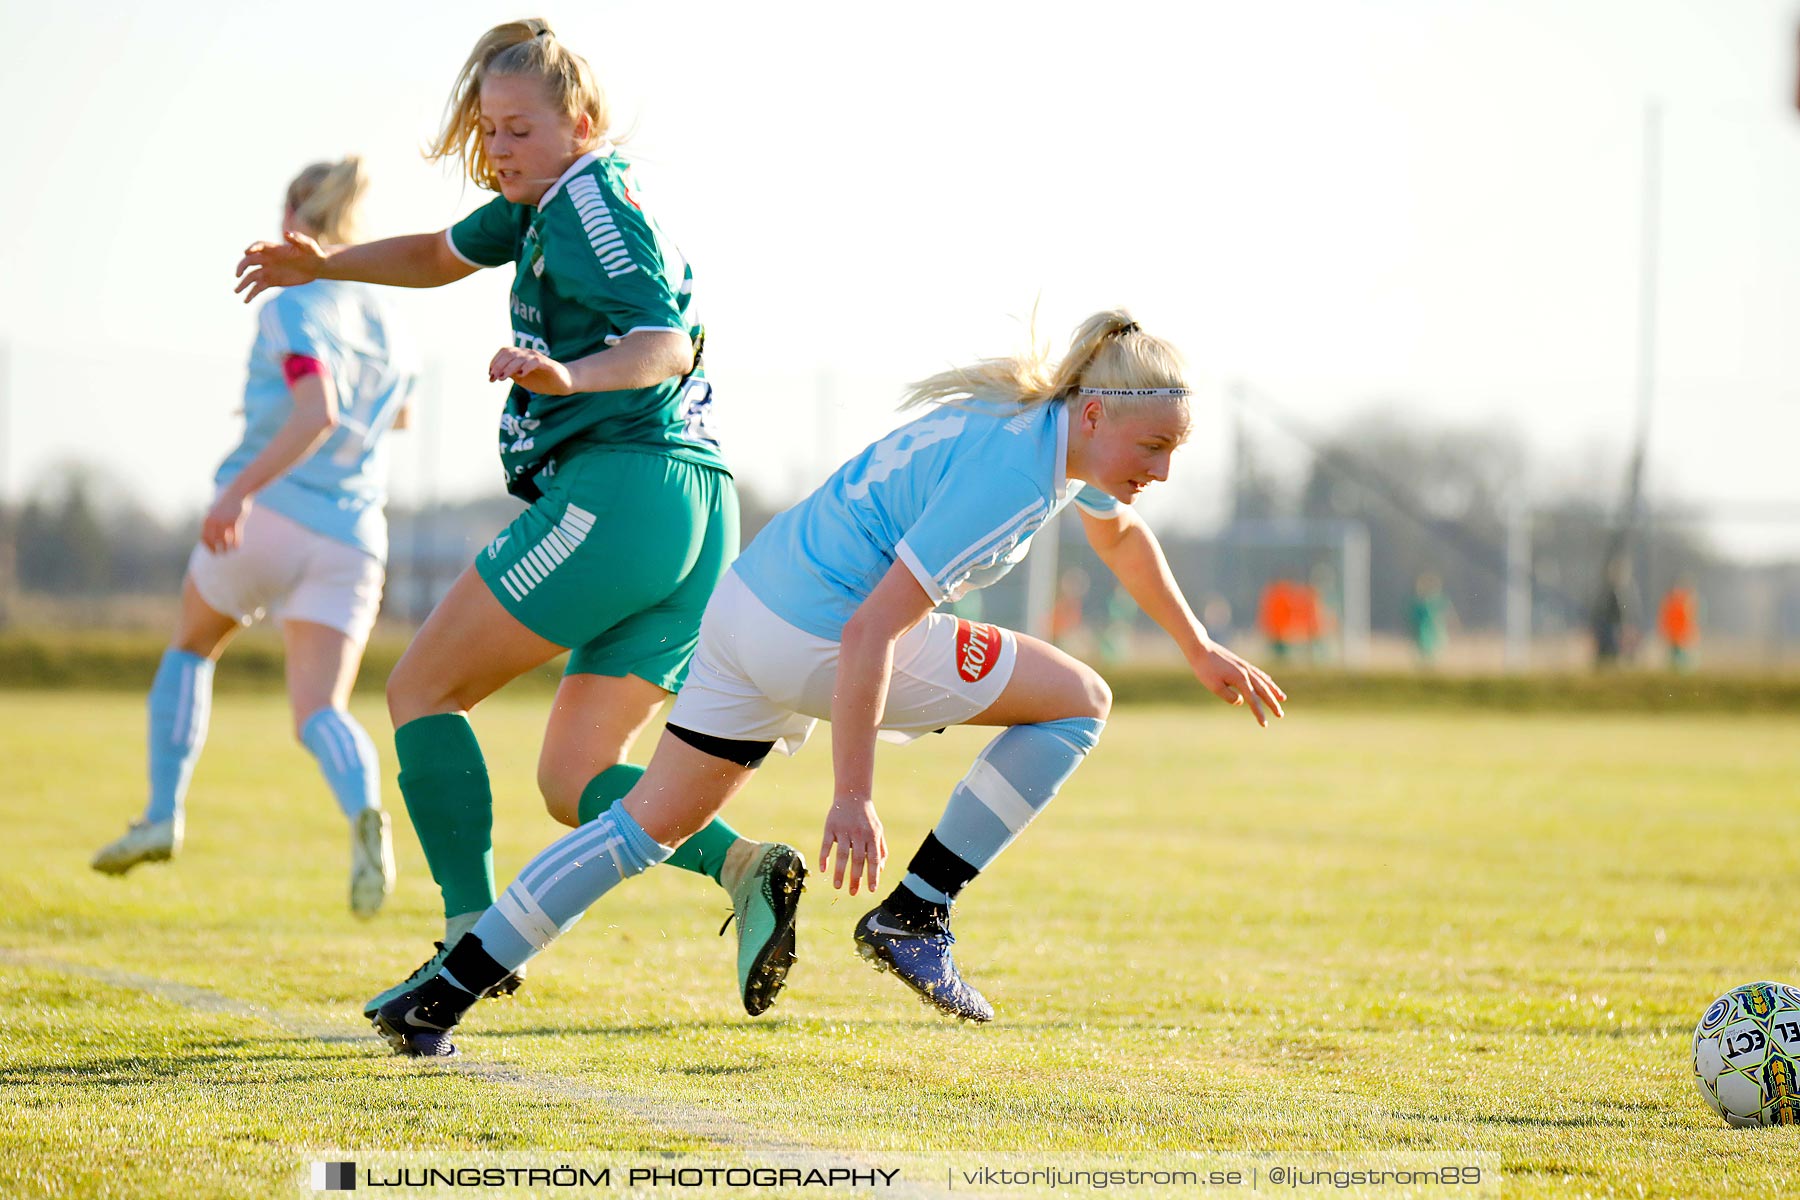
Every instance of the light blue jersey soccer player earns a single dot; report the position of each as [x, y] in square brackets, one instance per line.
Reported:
[830, 614]
[296, 529]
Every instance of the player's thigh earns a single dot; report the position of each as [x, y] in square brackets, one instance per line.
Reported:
[468, 648]
[224, 592]
[322, 663]
[593, 723]
[200, 628]
[682, 789]
[1047, 684]
[326, 616]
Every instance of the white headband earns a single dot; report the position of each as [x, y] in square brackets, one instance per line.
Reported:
[1134, 391]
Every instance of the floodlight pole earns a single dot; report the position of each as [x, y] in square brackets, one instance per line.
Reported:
[1518, 586]
[1353, 545]
[1618, 549]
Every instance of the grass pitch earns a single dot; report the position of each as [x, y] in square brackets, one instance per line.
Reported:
[1467, 931]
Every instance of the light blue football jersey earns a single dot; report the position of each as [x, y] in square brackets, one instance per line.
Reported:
[955, 495]
[338, 490]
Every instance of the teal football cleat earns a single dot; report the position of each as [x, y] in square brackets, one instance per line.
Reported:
[767, 879]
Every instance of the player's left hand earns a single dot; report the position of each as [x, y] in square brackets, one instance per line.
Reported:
[223, 528]
[532, 371]
[1237, 681]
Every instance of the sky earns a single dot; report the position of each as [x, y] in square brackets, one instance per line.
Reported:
[1428, 206]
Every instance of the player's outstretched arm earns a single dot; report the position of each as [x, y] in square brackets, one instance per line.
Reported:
[1130, 551]
[310, 422]
[641, 359]
[418, 260]
[865, 668]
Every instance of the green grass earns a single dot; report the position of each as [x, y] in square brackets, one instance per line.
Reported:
[1396, 931]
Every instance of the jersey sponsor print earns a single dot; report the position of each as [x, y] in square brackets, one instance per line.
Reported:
[977, 649]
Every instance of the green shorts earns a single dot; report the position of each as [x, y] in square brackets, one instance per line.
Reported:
[617, 560]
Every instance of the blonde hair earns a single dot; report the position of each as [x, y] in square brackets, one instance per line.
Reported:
[1108, 350]
[325, 198]
[528, 48]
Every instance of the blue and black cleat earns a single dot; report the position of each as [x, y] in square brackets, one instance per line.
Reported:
[921, 958]
[417, 1023]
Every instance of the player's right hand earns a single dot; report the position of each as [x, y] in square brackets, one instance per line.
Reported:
[854, 829]
[294, 260]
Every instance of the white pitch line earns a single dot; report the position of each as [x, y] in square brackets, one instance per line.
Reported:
[723, 1131]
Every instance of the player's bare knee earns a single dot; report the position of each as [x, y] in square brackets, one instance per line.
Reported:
[561, 793]
[1096, 696]
[564, 807]
[411, 693]
[399, 694]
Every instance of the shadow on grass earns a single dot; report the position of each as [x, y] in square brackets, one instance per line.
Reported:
[221, 1065]
[791, 1027]
[1520, 1121]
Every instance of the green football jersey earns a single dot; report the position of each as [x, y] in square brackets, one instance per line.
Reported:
[590, 266]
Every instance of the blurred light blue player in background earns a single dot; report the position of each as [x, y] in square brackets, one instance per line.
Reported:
[297, 530]
[830, 614]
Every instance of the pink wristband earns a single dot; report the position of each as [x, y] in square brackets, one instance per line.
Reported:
[297, 366]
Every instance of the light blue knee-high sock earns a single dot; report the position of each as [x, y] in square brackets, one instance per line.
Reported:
[1015, 777]
[180, 703]
[562, 883]
[346, 757]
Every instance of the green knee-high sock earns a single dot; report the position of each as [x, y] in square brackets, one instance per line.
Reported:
[444, 780]
[703, 854]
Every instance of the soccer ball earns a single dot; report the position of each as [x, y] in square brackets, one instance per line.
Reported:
[1747, 1054]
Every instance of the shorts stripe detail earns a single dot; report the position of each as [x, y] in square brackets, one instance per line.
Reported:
[997, 794]
[576, 522]
[535, 565]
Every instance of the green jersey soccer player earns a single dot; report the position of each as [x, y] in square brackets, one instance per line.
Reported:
[633, 513]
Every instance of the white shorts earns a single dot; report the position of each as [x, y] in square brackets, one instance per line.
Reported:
[283, 567]
[756, 678]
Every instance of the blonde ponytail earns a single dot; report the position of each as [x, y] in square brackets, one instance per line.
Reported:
[1108, 352]
[528, 48]
[325, 198]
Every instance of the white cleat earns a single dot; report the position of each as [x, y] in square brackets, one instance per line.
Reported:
[145, 841]
[371, 861]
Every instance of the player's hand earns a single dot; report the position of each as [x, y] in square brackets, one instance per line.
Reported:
[294, 260]
[532, 371]
[1236, 681]
[223, 528]
[855, 830]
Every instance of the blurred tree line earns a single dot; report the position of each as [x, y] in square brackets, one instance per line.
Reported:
[1435, 500]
